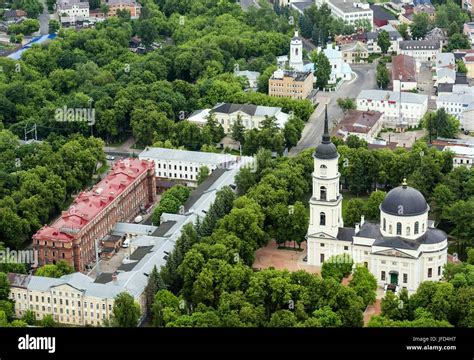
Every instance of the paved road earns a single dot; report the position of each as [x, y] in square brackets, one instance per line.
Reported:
[245, 4]
[364, 79]
[44, 19]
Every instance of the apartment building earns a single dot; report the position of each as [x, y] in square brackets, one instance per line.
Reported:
[355, 53]
[363, 124]
[349, 11]
[421, 50]
[72, 11]
[183, 166]
[291, 84]
[128, 188]
[251, 115]
[393, 35]
[400, 109]
[130, 5]
[468, 5]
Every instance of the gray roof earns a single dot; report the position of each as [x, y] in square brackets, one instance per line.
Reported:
[162, 154]
[250, 109]
[407, 97]
[345, 233]
[419, 45]
[348, 6]
[404, 201]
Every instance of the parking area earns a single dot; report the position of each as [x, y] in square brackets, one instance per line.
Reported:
[272, 257]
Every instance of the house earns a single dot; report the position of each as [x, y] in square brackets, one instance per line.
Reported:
[444, 60]
[445, 76]
[355, 53]
[468, 30]
[352, 38]
[427, 9]
[130, 5]
[394, 37]
[291, 84]
[421, 50]
[403, 250]
[182, 166]
[381, 16]
[404, 73]
[468, 5]
[463, 155]
[439, 35]
[339, 69]
[251, 116]
[251, 76]
[349, 11]
[364, 124]
[456, 103]
[400, 109]
[12, 16]
[72, 12]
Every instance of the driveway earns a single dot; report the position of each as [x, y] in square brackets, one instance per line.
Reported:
[363, 79]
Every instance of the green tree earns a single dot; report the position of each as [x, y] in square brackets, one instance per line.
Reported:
[420, 25]
[155, 283]
[372, 210]
[238, 130]
[282, 318]
[383, 76]
[383, 41]
[353, 211]
[126, 311]
[48, 321]
[55, 270]
[203, 174]
[165, 308]
[4, 286]
[346, 104]
[364, 284]
[53, 26]
[323, 70]
[337, 267]
[403, 31]
[29, 317]
[461, 66]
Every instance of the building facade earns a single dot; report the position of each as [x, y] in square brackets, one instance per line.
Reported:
[355, 53]
[404, 76]
[364, 124]
[400, 109]
[291, 84]
[402, 250]
[349, 11]
[421, 50]
[128, 188]
[73, 11]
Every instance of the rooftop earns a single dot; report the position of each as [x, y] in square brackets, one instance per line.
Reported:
[163, 154]
[350, 6]
[296, 75]
[404, 68]
[419, 45]
[88, 204]
[393, 96]
[357, 121]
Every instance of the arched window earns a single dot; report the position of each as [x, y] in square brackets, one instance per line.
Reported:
[384, 225]
[296, 51]
[399, 228]
[322, 219]
[323, 169]
[423, 227]
[408, 230]
[417, 225]
[390, 229]
[322, 193]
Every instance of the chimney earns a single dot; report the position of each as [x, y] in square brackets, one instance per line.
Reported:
[362, 220]
[357, 228]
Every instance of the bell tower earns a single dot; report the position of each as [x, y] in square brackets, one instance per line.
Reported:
[296, 53]
[326, 201]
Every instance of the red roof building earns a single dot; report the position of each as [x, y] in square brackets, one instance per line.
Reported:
[403, 73]
[129, 186]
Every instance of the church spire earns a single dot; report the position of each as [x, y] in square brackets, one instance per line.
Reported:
[326, 137]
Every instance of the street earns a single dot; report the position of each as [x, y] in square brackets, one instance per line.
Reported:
[313, 131]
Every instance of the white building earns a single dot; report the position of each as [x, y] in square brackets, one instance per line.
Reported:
[421, 50]
[400, 109]
[349, 11]
[445, 75]
[251, 76]
[339, 69]
[296, 53]
[463, 155]
[393, 35]
[402, 251]
[183, 166]
[456, 103]
[72, 11]
[251, 115]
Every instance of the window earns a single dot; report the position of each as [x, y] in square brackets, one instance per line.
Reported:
[382, 276]
[399, 228]
[366, 264]
[390, 229]
[430, 272]
[322, 244]
[323, 169]
[384, 225]
[405, 278]
[322, 193]
[439, 270]
[321, 258]
[417, 225]
[322, 219]
[346, 247]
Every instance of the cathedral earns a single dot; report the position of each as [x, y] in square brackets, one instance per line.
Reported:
[401, 251]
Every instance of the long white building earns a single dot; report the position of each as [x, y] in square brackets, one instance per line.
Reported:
[183, 166]
[349, 11]
[401, 251]
[400, 109]
[251, 115]
[421, 50]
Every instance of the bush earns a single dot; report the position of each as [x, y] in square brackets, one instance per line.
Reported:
[337, 267]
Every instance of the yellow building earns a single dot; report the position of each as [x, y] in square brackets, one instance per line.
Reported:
[291, 84]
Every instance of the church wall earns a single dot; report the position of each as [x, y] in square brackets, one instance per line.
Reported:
[406, 222]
